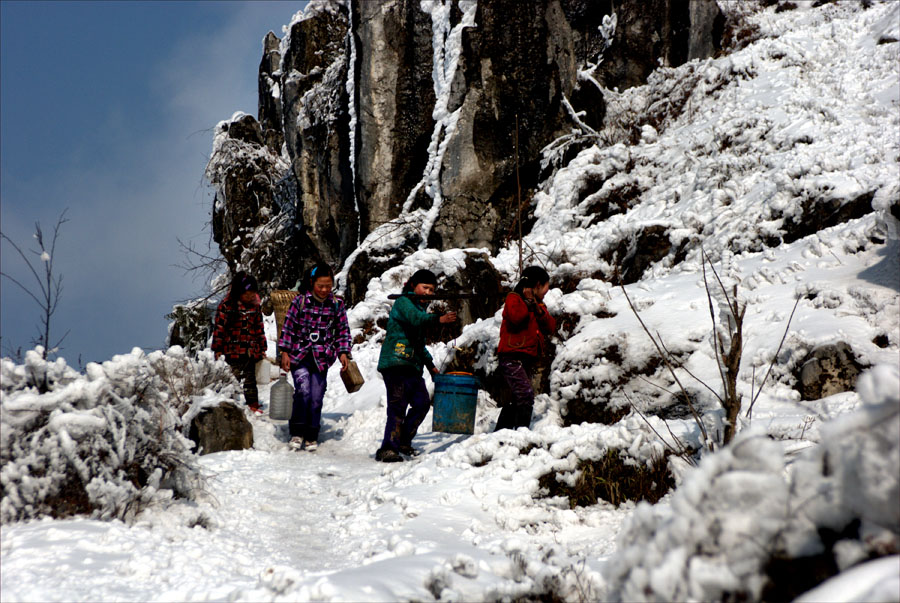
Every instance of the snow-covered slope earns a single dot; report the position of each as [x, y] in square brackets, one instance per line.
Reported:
[743, 155]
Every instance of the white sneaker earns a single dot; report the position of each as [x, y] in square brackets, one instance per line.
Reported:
[311, 446]
[296, 443]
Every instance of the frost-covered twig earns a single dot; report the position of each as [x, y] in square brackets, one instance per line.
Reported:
[576, 117]
[728, 362]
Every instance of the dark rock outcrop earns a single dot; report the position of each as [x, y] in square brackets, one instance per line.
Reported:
[653, 33]
[637, 251]
[315, 113]
[222, 427]
[254, 213]
[371, 120]
[270, 114]
[395, 98]
[819, 214]
[828, 370]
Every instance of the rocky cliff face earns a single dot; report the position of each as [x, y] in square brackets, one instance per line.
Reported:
[400, 124]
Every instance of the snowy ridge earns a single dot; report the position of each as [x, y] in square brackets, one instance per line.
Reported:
[756, 132]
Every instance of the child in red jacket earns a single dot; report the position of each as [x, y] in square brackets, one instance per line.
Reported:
[523, 340]
[239, 335]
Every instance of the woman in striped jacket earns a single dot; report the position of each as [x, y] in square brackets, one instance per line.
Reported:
[315, 333]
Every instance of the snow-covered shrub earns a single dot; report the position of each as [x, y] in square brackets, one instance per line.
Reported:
[105, 443]
[187, 378]
[35, 373]
[590, 370]
[191, 325]
[854, 475]
[744, 515]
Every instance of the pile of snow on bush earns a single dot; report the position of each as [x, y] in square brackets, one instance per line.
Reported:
[747, 506]
[105, 443]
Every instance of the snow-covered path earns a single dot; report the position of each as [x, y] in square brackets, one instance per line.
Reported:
[330, 524]
[273, 503]
[265, 510]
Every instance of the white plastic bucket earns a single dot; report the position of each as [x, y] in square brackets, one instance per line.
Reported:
[263, 377]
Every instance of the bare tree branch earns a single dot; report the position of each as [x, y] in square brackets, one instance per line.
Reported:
[712, 315]
[50, 287]
[665, 358]
[23, 287]
[682, 450]
[774, 358]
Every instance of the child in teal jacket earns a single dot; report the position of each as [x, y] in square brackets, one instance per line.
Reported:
[403, 356]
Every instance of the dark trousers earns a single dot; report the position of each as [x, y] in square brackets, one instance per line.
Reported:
[309, 392]
[517, 412]
[407, 404]
[244, 369]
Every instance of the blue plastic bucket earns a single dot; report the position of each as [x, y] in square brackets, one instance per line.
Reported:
[455, 399]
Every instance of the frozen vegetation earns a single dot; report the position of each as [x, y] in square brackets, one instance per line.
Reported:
[762, 159]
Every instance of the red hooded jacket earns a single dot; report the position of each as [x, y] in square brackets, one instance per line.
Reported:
[523, 331]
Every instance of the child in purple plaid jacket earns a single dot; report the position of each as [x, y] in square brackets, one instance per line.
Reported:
[315, 333]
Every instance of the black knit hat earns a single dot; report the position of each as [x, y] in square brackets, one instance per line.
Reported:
[419, 277]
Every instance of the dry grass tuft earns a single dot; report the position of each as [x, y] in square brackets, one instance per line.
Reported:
[613, 479]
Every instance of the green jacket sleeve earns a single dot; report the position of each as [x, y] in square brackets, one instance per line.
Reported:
[408, 312]
[411, 314]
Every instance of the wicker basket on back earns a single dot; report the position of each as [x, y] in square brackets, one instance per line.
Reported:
[281, 301]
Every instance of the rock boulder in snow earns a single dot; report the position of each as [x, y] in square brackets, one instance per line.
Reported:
[828, 370]
[222, 427]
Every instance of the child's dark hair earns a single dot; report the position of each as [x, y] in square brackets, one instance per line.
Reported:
[419, 276]
[531, 278]
[317, 271]
[240, 283]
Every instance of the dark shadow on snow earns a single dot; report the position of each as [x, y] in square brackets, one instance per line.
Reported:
[886, 272]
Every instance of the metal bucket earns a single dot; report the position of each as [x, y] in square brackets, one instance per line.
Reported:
[455, 400]
[281, 400]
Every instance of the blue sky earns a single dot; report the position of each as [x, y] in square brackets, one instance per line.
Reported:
[107, 109]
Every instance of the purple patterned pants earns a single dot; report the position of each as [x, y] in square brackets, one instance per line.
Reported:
[517, 412]
[309, 391]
